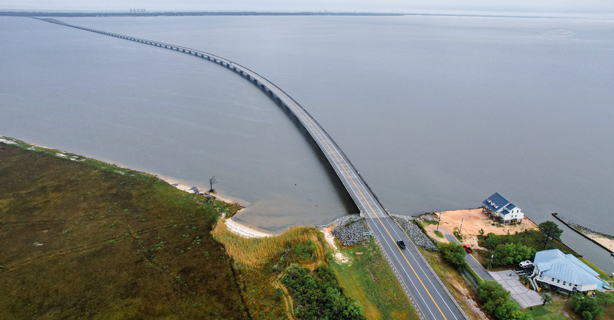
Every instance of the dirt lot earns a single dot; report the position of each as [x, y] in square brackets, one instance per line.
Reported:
[473, 221]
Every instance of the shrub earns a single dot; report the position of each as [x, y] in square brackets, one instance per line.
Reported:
[454, 254]
[497, 302]
[586, 307]
[319, 297]
[511, 253]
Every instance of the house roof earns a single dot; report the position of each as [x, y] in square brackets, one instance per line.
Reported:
[556, 264]
[498, 203]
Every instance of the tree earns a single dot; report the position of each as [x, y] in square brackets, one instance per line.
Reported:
[454, 254]
[511, 253]
[492, 294]
[586, 307]
[212, 181]
[551, 230]
[547, 298]
[603, 299]
[497, 302]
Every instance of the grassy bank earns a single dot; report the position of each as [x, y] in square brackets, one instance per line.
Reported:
[460, 288]
[84, 239]
[264, 264]
[602, 273]
[369, 279]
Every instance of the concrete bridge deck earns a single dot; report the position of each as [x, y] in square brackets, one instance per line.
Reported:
[430, 297]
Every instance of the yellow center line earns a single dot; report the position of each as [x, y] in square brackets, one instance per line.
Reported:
[380, 221]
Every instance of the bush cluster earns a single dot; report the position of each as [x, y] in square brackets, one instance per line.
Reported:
[513, 248]
[454, 254]
[498, 303]
[319, 295]
[304, 251]
[511, 253]
[589, 308]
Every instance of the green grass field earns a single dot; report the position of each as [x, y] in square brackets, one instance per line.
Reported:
[369, 279]
[84, 239]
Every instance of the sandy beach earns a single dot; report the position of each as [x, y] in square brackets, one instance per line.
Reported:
[473, 220]
[244, 230]
[606, 242]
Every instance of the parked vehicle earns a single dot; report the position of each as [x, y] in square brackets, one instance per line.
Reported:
[467, 248]
[525, 264]
[401, 244]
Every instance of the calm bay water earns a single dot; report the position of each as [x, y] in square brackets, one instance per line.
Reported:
[437, 113]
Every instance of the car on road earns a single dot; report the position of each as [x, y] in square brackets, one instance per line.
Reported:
[401, 244]
[467, 248]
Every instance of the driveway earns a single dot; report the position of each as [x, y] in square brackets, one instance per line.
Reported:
[473, 263]
[510, 281]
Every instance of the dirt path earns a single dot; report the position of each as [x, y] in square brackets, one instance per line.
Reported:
[330, 239]
[287, 298]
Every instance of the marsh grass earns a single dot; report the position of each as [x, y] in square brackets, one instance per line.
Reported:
[256, 252]
[260, 262]
[82, 239]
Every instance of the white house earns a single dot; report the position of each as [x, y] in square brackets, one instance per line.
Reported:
[564, 271]
[503, 209]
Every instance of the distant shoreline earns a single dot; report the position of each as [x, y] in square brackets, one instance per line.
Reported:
[188, 13]
[16, 13]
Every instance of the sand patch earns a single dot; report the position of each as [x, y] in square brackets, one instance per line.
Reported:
[473, 220]
[606, 242]
[6, 141]
[243, 230]
[330, 239]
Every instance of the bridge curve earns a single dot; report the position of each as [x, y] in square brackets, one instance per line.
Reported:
[423, 287]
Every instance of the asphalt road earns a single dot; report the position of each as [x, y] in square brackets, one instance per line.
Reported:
[473, 263]
[431, 297]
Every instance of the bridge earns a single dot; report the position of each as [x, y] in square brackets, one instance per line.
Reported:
[427, 293]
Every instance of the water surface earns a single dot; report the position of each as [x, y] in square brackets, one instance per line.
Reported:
[436, 113]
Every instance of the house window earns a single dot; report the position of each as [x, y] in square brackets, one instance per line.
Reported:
[564, 282]
[552, 279]
[558, 281]
[570, 284]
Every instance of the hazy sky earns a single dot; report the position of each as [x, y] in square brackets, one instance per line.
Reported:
[406, 6]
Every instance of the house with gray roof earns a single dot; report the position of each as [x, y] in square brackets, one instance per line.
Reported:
[564, 271]
[502, 209]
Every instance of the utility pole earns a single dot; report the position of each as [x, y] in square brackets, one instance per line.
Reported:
[461, 227]
[490, 265]
[439, 221]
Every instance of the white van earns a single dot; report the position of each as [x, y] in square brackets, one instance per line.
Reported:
[525, 264]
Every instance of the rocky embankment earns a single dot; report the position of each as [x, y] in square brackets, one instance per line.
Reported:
[349, 229]
[420, 239]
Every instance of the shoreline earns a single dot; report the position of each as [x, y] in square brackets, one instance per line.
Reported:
[243, 230]
[233, 226]
[602, 240]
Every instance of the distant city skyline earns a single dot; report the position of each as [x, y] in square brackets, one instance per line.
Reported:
[384, 6]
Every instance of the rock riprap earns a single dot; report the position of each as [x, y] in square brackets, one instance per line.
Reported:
[351, 231]
[420, 239]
